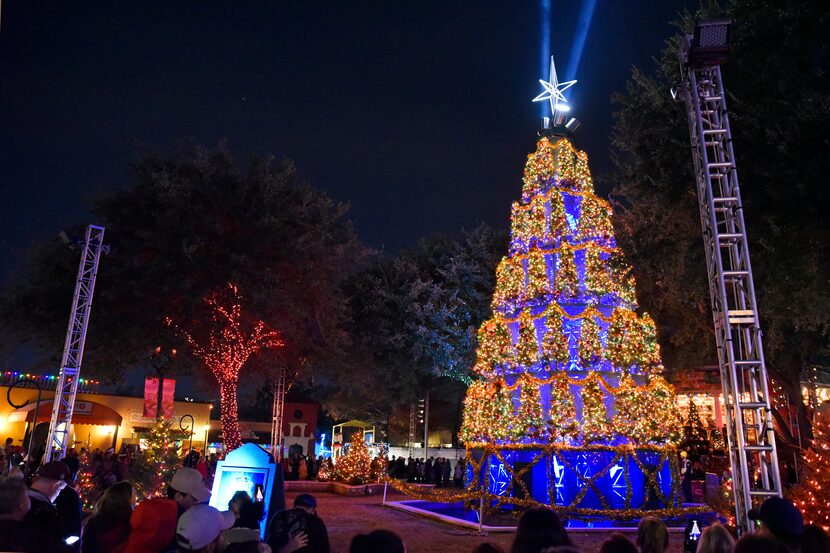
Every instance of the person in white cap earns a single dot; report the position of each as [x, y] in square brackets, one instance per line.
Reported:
[187, 489]
[201, 529]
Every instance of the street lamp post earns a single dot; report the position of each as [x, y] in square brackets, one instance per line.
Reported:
[189, 429]
[24, 404]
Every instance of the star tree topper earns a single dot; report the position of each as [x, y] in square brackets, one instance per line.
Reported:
[553, 91]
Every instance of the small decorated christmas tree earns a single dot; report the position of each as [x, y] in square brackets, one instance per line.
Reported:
[153, 467]
[87, 488]
[355, 467]
[812, 495]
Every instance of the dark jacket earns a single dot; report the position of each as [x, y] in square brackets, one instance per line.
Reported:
[17, 536]
[70, 513]
[43, 516]
[285, 524]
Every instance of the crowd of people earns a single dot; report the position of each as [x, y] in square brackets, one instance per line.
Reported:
[440, 471]
[302, 467]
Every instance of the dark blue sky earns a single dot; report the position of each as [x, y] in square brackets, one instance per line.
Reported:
[418, 113]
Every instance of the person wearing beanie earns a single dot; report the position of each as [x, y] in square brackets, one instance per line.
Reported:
[778, 517]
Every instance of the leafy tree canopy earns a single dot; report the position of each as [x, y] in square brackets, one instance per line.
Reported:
[416, 316]
[184, 227]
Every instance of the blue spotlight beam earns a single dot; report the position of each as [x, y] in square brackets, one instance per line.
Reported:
[586, 15]
[544, 47]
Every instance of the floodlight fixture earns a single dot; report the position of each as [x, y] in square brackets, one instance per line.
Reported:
[572, 124]
[710, 43]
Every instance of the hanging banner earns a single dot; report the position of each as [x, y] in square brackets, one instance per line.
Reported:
[168, 394]
[151, 397]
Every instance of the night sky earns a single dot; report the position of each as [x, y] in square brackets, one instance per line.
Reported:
[418, 113]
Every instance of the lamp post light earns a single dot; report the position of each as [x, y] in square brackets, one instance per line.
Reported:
[207, 431]
[189, 430]
[24, 404]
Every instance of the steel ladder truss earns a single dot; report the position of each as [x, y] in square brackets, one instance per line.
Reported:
[412, 409]
[746, 394]
[73, 349]
[277, 413]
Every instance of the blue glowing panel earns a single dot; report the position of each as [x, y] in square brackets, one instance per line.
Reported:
[248, 468]
[499, 478]
[571, 328]
[558, 474]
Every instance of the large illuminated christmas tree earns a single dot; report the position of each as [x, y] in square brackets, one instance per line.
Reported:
[571, 410]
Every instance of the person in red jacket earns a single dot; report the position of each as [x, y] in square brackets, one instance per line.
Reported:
[153, 527]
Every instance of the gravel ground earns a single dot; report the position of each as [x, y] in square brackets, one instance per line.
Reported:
[347, 516]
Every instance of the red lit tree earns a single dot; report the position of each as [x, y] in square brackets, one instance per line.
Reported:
[230, 342]
[812, 495]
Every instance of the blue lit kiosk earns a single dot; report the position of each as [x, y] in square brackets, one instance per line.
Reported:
[248, 468]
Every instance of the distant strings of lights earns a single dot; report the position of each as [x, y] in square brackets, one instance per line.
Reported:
[10, 377]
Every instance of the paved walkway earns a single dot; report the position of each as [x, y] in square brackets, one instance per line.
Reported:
[347, 516]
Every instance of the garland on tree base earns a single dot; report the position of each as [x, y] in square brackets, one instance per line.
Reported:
[514, 497]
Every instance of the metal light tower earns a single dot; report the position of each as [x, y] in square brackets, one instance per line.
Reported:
[73, 349]
[746, 394]
[278, 414]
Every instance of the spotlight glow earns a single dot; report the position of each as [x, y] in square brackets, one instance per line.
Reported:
[586, 15]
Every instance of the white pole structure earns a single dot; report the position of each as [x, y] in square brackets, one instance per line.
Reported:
[277, 415]
[73, 349]
[426, 431]
[746, 396]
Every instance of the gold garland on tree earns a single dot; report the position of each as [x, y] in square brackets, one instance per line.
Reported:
[595, 220]
[554, 341]
[590, 346]
[562, 425]
[566, 281]
[595, 425]
[658, 397]
[627, 404]
[597, 274]
[527, 349]
[537, 275]
[530, 419]
[625, 338]
[494, 346]
[499, 411]
[510, 280]
[558, 217]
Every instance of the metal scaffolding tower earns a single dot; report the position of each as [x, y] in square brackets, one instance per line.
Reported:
[746, 395]
[411, 429]
[278, 415]
[73, 349]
